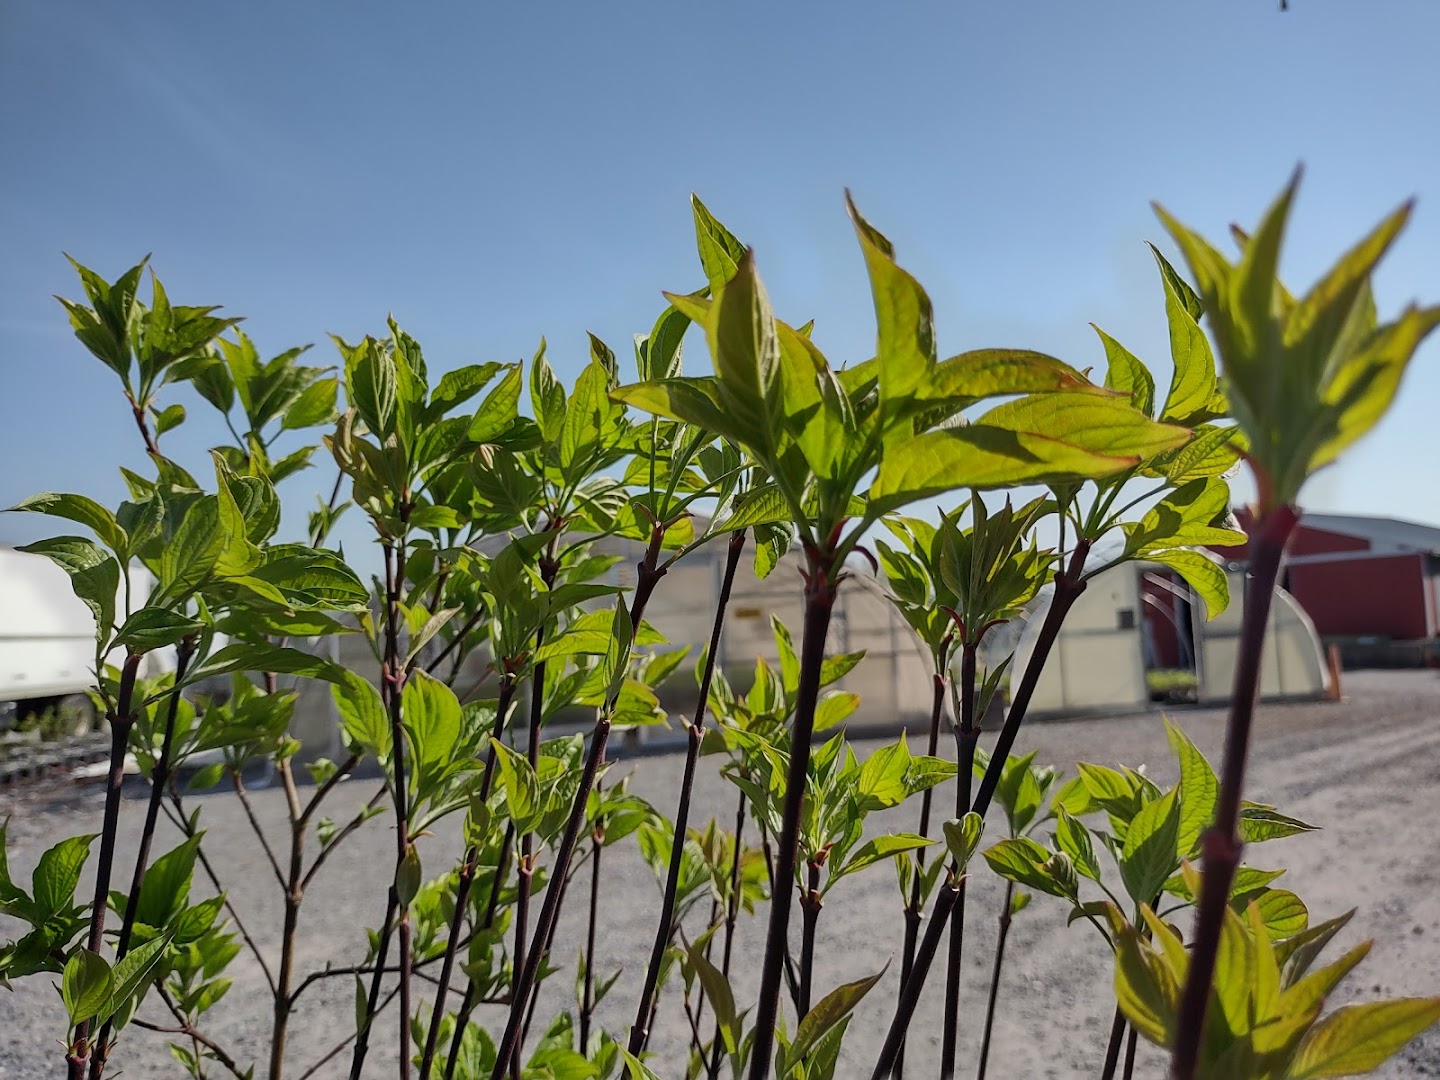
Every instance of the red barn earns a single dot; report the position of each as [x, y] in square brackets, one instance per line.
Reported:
[1364, 581]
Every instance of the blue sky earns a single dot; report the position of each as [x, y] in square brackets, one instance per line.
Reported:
[492, 173]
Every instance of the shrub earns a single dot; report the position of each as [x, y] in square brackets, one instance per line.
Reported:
[788, 453]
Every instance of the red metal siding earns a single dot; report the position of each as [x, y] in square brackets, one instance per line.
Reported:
[1310, 541]
[1383, 596]
[1305, 540]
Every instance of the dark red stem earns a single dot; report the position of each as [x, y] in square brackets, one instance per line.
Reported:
[995, 979]
[913, 912]
[462, 888]
[121, 722]
[665, 930]
[159, 781]
[648, 576]
[910, 992]
[819, 602]
[1221, 845]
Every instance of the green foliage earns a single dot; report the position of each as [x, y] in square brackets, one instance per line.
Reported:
[818, 433]
[496, 491]
[1262, 1023]
[1306, 376]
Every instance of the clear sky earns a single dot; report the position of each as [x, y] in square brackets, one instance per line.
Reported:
[494, 172]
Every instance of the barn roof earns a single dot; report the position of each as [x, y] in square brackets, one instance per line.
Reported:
[1384, 533]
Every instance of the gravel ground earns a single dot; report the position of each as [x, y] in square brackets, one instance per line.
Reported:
[1368, 771]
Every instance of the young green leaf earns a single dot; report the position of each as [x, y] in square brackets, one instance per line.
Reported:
[86, 985]
[962, 837]
[1145, 987]
[166, 886]
[132, 974]
[154, 628]
[1358, 1038]
[94, 575]
[1199, 790]
[829, 1011]
[82, 510]
[58, 873]
[362, 714]
[1151, 851]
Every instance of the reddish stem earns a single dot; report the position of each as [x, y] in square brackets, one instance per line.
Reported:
[1221, 845]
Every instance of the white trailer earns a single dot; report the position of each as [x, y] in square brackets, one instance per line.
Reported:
[47, 636]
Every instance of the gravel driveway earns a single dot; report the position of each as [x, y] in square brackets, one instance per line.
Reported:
[1367, 770]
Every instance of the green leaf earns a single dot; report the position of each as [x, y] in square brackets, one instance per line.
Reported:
[720, 252]
[58, 873]
[518, 781]
[194, 922]
[962, 837]
[1201, 572]
[547, 397]
[1192, 386]
[79, 509]
[1296, 954]
[1102, 425]
[1145, 988]
[718, 992]
[638, 1070]
[167, 419]
[981, 456]
[314, 406]
[1214, 451]
[1363, 391]
[694, 401]
[760, 506]
[1073, 838]
[154, 628]
[1111, 790]
[362, 714]
[881, 783]
[94, 576]
[745, 350]
[905, 323]
[829, 1011]
[1311, 991]
[86, 985]
[616, 663]
[371, 383]
[254, 656]
[166, 886]
[587, 417]
[408, 876]
[1151, 851]
[497, 412]
[433, 721]
[1127, 374]
[132, 974]
[1199, 790]
[1282, 912]
[1358, 1038]
[459, 386]
[1023, 861]
[834, 708]
[876, 849]
[659, 356]
[189, 556]
[1259, 823]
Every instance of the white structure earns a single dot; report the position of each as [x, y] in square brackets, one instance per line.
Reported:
[47, 634]
[1098, 664]
[1292, 665]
